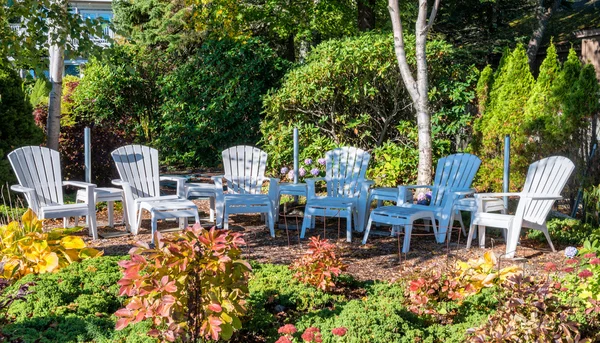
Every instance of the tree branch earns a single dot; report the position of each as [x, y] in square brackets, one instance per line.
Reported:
[407, 77]
[432, 15]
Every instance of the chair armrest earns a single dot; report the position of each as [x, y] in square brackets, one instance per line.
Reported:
[495, 195]
[543, 196]
[21, 189]
[463, 192]
[79, 184]
[180, 183]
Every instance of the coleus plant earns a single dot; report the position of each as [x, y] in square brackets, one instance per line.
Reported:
[320, 265]
[25, 248]
[192, 286]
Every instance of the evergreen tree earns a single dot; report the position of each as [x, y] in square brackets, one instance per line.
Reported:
[486, 80]
[542, 108]
[505, 115]
[18, 128]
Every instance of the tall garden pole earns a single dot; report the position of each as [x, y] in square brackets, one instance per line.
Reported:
[87, 156]
[296, 148]
[506, 178]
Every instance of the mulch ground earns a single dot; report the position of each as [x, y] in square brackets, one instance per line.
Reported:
[376, 260]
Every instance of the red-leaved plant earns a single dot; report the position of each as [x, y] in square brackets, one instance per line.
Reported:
[320, 265]
[192, 286]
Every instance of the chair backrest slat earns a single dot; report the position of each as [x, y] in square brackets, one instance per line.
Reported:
[138, 165]
[346, 168]
[39, 168]
[547, 176]
[453, 172]
[244, 168]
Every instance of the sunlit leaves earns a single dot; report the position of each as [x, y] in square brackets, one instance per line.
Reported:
[192, 286]
[26, 249]
[320, 265]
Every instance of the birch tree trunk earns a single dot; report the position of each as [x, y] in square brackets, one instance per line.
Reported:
[543, 16]
[57, 62]
[54, 104]
[418, 89]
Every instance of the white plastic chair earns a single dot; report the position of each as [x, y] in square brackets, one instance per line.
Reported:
[453, 177]
[40, 180]
[244, 177]
[544, 183]
[138, 169]
[345, 177]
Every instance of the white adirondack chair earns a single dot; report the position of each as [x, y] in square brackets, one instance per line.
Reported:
[138, 169]
[453, 177]
[244, 177]
[544, 183]
[40, 179]
[345, 176]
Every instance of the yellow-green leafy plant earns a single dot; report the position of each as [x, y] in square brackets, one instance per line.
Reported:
[480, 273]
[25, 248]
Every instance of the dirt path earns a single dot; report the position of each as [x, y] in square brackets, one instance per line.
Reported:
[378, 259]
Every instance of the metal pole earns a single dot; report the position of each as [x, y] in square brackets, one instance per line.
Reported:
[87, 154]
[295, 155]
[506, 178]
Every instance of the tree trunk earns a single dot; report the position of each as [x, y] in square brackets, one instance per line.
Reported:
[57, 63]
[54, 104]
[418, 89]
[366, 14]
[543, 16]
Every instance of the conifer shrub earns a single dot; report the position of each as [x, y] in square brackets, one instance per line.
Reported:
[18, 127]
[504, 114]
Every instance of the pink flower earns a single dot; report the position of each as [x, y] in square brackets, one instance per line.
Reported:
[550, 267]
[339, 331]
[283, 339]
[312, 334]
[569, 270]
[287, 329]
[572, 261]
[595, 261]
[585, 274]
[589, 255]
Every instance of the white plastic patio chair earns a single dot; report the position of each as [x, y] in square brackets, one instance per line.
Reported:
[138, 169]
[345, 177]
[544, 183]
[40, 180]
[453, 177]
[244, 177]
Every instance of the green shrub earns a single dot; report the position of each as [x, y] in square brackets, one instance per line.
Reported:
[72, 305]
[349, 92]
[213, 101]
[564, 231]
[18, 127]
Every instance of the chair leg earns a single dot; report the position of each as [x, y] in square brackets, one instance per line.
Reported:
[367, 230]
[349, 225]
[93, 225]
[197, 217]
[153, 226]
[65, 222]
[111, 207]
[125, 218]
[306, 223]
[470, 235]
[407, 233]
[212, 209]
[271, 221]
[548, 239]
[139, 222]
[225, 219]
[482, 237]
